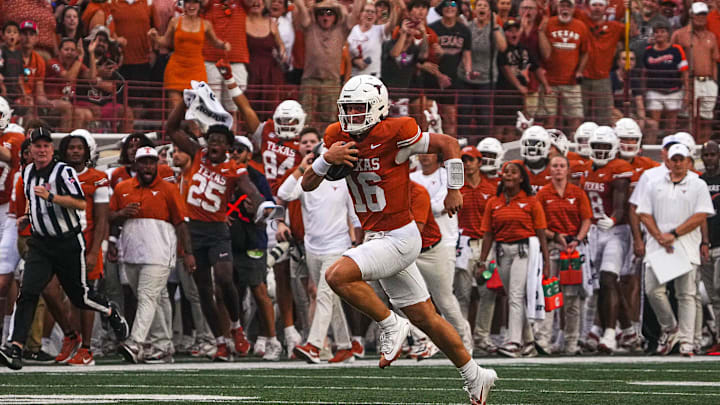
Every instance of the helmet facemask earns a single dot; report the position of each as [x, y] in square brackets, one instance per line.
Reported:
[602, 152]
[534, 150]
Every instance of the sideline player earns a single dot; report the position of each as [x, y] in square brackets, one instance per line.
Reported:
[392, 241]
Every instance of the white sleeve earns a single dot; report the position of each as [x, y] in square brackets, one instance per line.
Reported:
[437, 201]
[644, 201]
[413, 146]
[291, 189]
[256, 137]
[703, 200]
[102, 195]
[639, 190]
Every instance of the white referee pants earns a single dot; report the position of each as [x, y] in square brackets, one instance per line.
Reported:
[153, 319]
[328, 307]
[685, 289]
[437, 266]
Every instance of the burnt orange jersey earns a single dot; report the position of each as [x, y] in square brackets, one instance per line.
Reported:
[12, 141]
[537, 178]
[18, 203]
[278, 155]
[475, 199]
[422, 211]
[639, 165]
[599, 187]
[513, 220]
[564, 214]
[574, 156]
[579, 169]
[211, 186]
[122, 173]
[95, 185]
[380, 188]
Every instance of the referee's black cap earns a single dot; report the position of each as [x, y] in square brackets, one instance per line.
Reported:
[40, 133]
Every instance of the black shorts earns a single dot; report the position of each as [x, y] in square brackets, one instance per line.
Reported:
[249, 271]
[210, 242]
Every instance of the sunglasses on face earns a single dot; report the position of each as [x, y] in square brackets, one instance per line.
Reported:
[450, 4]
[325, 11]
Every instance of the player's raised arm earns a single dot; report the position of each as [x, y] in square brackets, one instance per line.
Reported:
[177, 135]
[250, 118]
[339, 154]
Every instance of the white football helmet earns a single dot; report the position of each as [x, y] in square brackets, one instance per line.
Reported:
[559, 140]
[289, 119]
[492, 154]
[92, 145]
[582, 134]
[535, 144]
[686, 139]
[5, 114]
[626, 130]
[604, 145]
[362, 90]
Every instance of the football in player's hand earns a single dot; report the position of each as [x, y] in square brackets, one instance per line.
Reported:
[339, 172]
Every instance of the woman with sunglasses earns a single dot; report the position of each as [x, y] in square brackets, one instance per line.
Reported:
[515, 220]
[366, 39]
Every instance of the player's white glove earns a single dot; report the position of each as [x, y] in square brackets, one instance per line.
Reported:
[523, 122]
[433, 118]
[605, 223]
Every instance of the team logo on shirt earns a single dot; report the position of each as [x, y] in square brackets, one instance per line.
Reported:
[565, 37]
[522, 205]
[571, 200]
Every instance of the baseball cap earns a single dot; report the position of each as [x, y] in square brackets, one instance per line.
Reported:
[471, 151]
[567, 1]
[699, 8]
[669, 141]
[146, 151]
[511, 23]
[99, 29]
[29, 25]
[244, 141]
[40, 133]
[661, 23]
[678, 149]
[603, 2]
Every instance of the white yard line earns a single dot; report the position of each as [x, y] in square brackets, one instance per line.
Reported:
[677, 383]
[116, 398]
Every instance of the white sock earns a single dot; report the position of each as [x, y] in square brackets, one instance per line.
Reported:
[389, 321]
[357, 339]
[220, 340]
[469, 370]
[629, 330]
[261, 339]
[236, 325]
[46, 343]
[609, 333]
[273, 340]
[596, 330]
[290, 331]
[6, 328]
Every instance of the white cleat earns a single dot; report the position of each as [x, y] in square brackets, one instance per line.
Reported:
[273, 350]
[392, 339]
[608, 342]
[479, 388]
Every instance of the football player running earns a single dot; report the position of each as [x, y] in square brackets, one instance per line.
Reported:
[630, 136]
[607, 185]
[379, 184]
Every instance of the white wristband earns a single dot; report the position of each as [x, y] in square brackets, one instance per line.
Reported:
[235, 91]
[321, 166]
[455, 173]
[230, 81]
[112, 239]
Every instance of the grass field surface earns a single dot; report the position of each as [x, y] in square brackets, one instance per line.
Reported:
[605, 380]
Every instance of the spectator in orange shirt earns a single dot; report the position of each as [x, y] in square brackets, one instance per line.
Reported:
[564, 46]
[133, 19]
[596, 85]
[512, 217]
[568, 213]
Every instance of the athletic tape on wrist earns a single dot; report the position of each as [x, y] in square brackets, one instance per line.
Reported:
[235, 91]
[455, 173]
[230, 81]
[321, 166]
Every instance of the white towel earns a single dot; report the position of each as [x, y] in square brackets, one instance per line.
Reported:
[204, 107]
[534, 297]
[590, 279]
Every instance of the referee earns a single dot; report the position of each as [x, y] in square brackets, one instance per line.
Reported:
[56, 247]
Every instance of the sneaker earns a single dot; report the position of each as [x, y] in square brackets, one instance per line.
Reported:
[222, 353]
[529, 350]
[118, 323]
[83, 357]
[308, 352]
[343, 356]
[259, 348]
[203, 349]
[687, 349]
[292, 339]
[591, 343]
[130, 352]
[392, 339]
[608, 343]
[39, 357]
[667, 341]
[358, 349]
[479, 388]
[544, 350]
[242, 346]
[273, 350]
[511, 350]
[572, 348]
[11, 356]
[185, 345]
[160, 357]
[632, 342]
[425, 349]
[714, 350]
[70, 346]
[486, 346]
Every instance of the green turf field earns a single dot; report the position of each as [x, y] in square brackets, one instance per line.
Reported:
[537, 381]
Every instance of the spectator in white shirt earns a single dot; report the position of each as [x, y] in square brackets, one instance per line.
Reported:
[673, 208]
[366, 39]
[434, 178]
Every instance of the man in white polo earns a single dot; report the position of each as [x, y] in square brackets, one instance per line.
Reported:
[672, 208]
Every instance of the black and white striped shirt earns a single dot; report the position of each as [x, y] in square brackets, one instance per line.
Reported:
[48, 219]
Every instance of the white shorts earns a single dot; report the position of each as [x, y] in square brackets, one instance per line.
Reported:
[705, 95]
[656, 101]
[609, 248]
[9, 255]
[217, 83]
[389, 257]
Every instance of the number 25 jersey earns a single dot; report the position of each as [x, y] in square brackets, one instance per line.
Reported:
[211, 185]
[380, 188]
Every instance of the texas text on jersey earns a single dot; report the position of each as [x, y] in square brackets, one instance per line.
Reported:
[211, 186]
[377, 173]
[599, 187]
[278, 155]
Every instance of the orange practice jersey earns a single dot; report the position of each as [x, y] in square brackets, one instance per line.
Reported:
[278, 155]
[13, 141]
[211, 187]
[639, 165]
[564, 214]
[537, 180]
[422, 211]
[599, 187]
[380, 188]
[513, 220]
